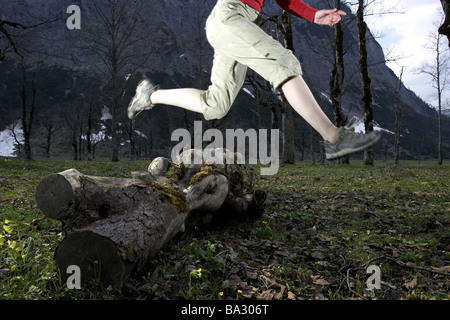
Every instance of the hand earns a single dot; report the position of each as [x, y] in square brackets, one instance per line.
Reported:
[328, 17]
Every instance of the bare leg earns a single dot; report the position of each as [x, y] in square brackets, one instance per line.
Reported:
[302, 100]
[296, 91]
[188, 99]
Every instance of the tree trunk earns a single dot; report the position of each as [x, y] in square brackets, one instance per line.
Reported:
[113, 226]
[90, 115]
[398, 116]
[49, 126]
[27, 112]
[73, 121]
[337, 77]
[439, 90]
[288, 116]
[440, 151]
[115, 223]
[367, 94]
[114, 123]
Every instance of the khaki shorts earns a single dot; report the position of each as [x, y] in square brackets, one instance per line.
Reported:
[240, 44]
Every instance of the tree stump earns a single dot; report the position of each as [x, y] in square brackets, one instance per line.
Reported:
[113, 226]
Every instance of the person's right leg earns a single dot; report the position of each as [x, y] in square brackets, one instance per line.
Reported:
[186, 98]
[227, 79]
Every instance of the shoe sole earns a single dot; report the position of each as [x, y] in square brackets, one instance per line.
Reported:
[347, 151]
[137, 97]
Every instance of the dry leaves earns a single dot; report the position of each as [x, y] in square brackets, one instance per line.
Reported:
[319, 281]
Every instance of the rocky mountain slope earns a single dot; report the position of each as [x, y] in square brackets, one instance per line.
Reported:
[177, 54]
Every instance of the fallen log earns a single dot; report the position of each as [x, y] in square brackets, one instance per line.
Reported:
[113, 226]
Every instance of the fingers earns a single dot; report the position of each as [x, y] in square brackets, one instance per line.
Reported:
[329, 17]
[334, 11]
[334, 16]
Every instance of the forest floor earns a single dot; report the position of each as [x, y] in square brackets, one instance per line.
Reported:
[322, 228]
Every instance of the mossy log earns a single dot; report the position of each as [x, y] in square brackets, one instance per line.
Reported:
[113, 226]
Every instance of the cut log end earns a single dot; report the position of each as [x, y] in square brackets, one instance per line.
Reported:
[54, 194]
[95, 255]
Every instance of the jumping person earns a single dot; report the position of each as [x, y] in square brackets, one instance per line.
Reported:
[240, 44]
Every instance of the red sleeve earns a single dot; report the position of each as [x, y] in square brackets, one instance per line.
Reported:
[298, 8]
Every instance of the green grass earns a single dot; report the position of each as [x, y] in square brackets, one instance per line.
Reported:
[321, 222]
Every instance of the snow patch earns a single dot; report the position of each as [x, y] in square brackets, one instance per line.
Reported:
[106, 114]
[8, 143]
[361, 128]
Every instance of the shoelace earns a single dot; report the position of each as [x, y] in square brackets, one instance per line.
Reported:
[352, 123]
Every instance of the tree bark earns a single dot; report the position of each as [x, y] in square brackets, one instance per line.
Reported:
[50, 127]
[366, 81]
[337, 77]
[27, 111]
[113, 226]
[440, 88]
[398, 116]
[288, 116]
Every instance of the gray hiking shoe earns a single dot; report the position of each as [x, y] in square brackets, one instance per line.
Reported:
[350, 142]
[141, 100]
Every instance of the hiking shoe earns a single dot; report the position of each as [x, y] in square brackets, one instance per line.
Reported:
[141, 100]
[349, 142]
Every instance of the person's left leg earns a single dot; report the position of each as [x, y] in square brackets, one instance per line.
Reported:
[302, 100]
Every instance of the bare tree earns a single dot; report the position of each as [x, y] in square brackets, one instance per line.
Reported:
[337, 76]
[8, 36]
[50, 129]
[28, 109]
[91, 113]
[439, 72]
[398, 116]
[264, 96]
[15, 135]
[276, 101]
[288, 113]
[112, 38]
[366, 81]
[10, 42]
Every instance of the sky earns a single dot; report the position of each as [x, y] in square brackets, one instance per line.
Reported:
[406, 34]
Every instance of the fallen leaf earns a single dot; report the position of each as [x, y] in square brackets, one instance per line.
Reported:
[233, 282]
[319, 281]
[322, 263]
[291, 296]
[411, 284]
[266, 295]
[323, 238]
[282, 253]
[278, 289]
[442, 269]
[318, 255]
[251, 275]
